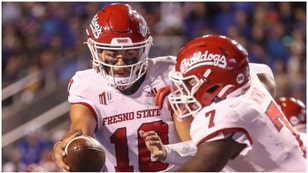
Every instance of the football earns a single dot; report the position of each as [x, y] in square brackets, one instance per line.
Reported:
[84, 154]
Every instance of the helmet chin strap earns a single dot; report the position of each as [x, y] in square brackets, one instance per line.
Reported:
[121, 83]
[134, 87]
[217, 99]
[223, 93]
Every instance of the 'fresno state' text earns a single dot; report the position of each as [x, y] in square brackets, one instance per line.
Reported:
[130, 116]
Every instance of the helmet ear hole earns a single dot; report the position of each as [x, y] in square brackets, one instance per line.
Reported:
[212, 89]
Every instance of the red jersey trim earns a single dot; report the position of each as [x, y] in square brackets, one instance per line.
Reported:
[89, 107]
[228, 130]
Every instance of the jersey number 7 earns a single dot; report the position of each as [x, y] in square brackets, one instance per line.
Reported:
[276, 117]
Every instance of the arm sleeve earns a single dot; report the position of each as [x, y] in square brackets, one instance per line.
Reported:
[180, 153]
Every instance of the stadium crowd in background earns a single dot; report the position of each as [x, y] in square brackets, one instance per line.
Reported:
[46, 36]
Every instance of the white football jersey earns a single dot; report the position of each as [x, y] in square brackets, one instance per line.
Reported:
[303, 137]
[120, 117]
[255, 120]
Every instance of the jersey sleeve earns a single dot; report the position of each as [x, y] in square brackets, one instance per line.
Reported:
[218, 122]
[76, 89]
[79, 91]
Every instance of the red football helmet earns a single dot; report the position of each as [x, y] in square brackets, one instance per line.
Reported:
[118, 26]
[294, 110]
[207, 70]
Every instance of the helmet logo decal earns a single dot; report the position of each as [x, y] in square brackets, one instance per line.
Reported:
[203, 59]
[96, 29]
[240, 78]
[143, 27]
[294, 120]
[123, 40]
[119, 41]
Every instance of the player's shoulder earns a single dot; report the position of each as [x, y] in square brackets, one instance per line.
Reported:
[224, 108]
[84, 77]
[219, 117]
[88, 73]
[159, 65]
[229, 103]
[164, 59]
[232, 108]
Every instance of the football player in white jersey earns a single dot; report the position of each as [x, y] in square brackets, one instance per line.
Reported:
[237, 122]
[115, 100]
[265, 75]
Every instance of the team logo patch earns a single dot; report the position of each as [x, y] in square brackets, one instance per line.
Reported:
[105, 98]
[151, 93]
[96, 29]
[240, 78]
[143, 28]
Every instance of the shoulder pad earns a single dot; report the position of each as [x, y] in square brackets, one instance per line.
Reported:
[164, 59]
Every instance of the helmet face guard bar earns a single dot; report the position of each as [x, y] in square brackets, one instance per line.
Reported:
[137, 70]
[182, 98]
[114, 45]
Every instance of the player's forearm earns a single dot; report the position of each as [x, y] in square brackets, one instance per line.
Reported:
[180, 153]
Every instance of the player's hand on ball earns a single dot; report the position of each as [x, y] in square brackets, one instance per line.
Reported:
[154, 144]
[59, 152]
[85, 154]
